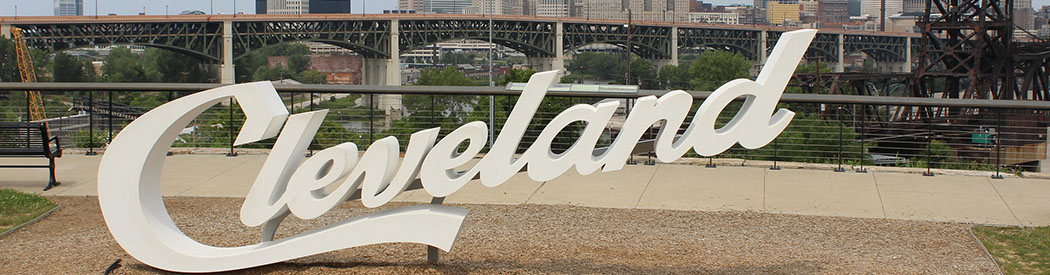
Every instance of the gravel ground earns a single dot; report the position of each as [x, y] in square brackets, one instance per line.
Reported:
[538, 239]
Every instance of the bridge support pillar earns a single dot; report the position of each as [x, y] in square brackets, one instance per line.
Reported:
[559, 49]
[227, 73]
[659, 64]
[373, 71]
[674, 47]
[542, 64]
[762, 49]
[5, 31]
[907, 55]
[840, 65]
[393, 65]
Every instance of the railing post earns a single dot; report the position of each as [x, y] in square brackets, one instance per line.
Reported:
[171, 96]
[649, 155]
[929, 144]
[998, 141]
[371, 117]
[109, 118]
[863, 122]
[230, 126]
[775, 167]
[630, 160]
[838, 113]
[29, 107]
[91, 124]
[433, 110]
[311, 153]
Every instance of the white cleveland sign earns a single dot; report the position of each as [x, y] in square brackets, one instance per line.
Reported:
[129, 175]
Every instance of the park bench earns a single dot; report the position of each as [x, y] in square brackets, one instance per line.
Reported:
[30, 139]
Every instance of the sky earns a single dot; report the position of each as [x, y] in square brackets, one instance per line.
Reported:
[157, 7]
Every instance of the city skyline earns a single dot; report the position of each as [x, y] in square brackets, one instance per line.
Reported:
[156, 7]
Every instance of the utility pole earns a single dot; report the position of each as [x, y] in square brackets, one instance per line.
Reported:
[628, 79]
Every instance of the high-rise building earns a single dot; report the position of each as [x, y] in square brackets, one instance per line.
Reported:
[69, 7]
[912, 7]
[416, 5]
[260, 6]
[779, 13]
[554, 8]
[603, 9]
[1023, 14]
[659, 10]
[446, 6]
[760, 4]
[854, 8]
[833, 13]
[496, 7]
[287, 6]
[873, 8]
[728, 18]
[329, 6]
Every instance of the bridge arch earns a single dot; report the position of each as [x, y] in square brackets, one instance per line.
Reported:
[644, 51]
[533, 38]
[201, 40]
[370, 38]
[879, 54]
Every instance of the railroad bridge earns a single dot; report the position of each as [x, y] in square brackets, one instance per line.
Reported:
[381, 38]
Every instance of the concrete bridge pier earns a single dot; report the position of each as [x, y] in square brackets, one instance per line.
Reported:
[557, 62]
[840, 65]
[5, 31]
[659, 64]
[542, 64]
[227, 73]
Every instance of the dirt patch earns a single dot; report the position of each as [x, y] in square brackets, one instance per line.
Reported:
[537, 239]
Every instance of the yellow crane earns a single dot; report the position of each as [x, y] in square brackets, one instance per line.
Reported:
[28, 73]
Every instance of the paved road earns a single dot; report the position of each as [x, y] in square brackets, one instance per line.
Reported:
[877, 194]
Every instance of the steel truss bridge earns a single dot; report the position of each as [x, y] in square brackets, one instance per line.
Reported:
[381, 38]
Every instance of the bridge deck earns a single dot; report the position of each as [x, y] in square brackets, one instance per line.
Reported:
[323, 17]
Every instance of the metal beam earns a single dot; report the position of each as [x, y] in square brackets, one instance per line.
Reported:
[482, 90]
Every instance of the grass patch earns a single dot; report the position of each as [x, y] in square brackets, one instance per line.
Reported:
[17, 208]
[1017, 250]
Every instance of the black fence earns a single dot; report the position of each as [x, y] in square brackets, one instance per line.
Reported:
[848, 131]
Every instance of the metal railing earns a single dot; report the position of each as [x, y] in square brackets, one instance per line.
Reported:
[846, 131]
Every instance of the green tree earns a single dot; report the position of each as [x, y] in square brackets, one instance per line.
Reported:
[457, 58]
[249, 65]
[167, 66]
[8, 61]
[449, 76]
[674, 78]
[123, 66]
[516, 75]
[643, 74]
[67, 68]
[298, 63]
[714, 68]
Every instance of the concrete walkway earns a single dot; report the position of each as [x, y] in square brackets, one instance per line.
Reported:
[877, 194]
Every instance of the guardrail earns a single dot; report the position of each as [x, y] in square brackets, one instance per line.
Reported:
[850, 131]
